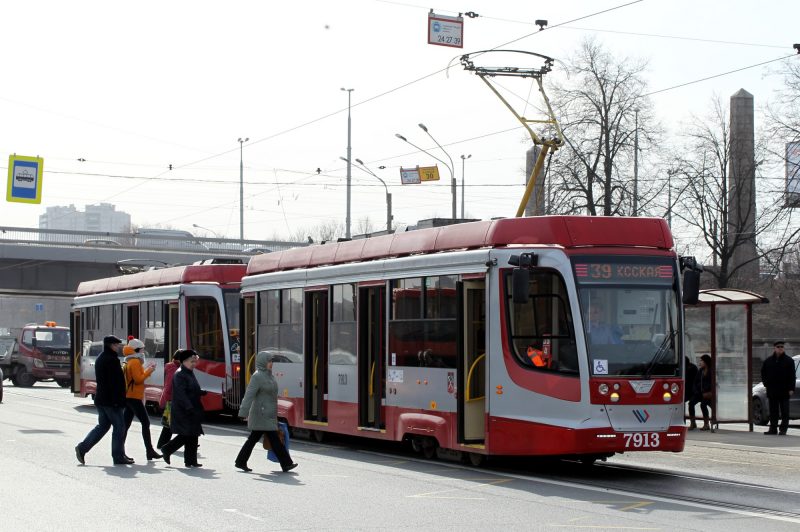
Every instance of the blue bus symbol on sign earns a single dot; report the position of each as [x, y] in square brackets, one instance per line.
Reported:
[437, 27]
[38, 307]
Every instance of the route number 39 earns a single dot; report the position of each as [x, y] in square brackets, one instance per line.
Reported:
[642, 440]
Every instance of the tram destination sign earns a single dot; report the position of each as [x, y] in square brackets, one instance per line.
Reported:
[623, 272]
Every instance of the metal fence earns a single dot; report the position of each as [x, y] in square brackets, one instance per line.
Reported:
[144, 240]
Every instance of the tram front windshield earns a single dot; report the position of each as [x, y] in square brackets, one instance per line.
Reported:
[630, 315]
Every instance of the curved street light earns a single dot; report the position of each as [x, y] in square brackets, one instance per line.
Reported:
[451, 168]
[349, 163]
[216, 235]
[452, 178]
[463, 181]
[241, 187]
[388, 195]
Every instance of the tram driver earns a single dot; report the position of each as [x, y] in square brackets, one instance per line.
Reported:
[600, 330]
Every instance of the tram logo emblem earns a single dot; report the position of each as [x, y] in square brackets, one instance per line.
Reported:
[642, 386]
[641, 415]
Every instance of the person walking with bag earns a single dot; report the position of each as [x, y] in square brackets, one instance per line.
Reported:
[186, 412]
[135, 375]
[778, 376]
[260, 409]
[703, 393]
[165, 402]
[109, 399]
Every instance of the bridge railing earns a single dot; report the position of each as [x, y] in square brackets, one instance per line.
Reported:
[65, 237]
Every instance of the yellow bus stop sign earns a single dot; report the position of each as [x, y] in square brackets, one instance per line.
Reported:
[24, 179]
[429, 173]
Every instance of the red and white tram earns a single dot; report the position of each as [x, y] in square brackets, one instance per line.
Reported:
[193, 307]
[555, 335]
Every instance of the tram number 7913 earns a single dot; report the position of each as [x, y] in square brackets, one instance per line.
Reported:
[642, 440]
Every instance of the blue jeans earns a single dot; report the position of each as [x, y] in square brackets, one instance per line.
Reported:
[108, 417]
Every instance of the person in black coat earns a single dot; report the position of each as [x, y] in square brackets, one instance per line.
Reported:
[778, 376]
[110, 402]
[186, 415]
[702, 392]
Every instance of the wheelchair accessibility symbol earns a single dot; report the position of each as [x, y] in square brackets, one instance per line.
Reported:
[601, 367]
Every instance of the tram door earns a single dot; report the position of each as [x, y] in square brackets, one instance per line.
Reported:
[316, 355]
[371, 356]
[172, 330]
[75, 333]
[472, 364]
[133, 320]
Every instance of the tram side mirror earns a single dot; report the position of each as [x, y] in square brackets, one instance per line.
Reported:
[691, 287]
[521, 276]
[691, 280]
[521, 280]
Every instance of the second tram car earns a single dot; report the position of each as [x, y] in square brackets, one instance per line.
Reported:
[554, 335]
[194, 306]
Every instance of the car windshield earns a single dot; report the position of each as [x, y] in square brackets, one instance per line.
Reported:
[630, 315]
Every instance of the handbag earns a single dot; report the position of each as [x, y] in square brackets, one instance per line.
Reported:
[283, 434]
[267, 445]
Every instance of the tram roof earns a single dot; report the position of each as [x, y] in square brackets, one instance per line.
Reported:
[195, 273]
[565, 231]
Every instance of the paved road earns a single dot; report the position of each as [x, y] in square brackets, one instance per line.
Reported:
[341, 486]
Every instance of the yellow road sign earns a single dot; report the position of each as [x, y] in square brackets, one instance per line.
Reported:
[429, 173]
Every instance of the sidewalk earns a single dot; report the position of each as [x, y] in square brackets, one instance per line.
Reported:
[738, 435]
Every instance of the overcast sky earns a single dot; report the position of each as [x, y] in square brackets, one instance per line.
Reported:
[133, 87]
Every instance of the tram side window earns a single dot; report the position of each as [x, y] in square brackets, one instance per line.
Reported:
[343, 325]
[423, 328]
[280, 324]
[206, 328]
[542, 332]
[91, 335]
[152, 316]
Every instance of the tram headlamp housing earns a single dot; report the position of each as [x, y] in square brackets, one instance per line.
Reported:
[675, 388]
[614, 397]
[667, 397]
[603, 388]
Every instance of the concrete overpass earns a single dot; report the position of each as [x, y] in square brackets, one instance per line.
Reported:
[41, 268]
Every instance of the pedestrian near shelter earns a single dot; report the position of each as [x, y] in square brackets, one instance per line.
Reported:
[721, 326]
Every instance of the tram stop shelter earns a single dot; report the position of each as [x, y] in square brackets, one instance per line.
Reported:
[721, 325]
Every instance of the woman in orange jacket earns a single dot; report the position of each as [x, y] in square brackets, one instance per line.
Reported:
[135, 375]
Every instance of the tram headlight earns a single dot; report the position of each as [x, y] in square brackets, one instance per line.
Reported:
[603, 388]
[614, 397]
[667, 397]
[675, 388]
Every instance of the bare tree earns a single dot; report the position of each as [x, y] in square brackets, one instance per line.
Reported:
[701, 176]
[783, 115]
[598, 109]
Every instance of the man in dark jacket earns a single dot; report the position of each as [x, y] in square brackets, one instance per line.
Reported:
[110, 402]
[777, 374]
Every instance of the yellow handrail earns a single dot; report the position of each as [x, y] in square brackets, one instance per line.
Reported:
[314, 378]
[469, 378]
[371, 378]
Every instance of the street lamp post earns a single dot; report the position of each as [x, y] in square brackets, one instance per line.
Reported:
[636, 163]
[216, 235]
[241, 187]
[388, 195]
[349, 162]
[452, 178]
[463, 181]
[452, 173]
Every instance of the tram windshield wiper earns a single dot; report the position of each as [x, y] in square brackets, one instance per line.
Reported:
[666, 343]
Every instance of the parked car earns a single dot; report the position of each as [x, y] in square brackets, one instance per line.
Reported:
[101, 242]
[761, 403]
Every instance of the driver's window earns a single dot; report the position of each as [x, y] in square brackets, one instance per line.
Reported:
[27, 337]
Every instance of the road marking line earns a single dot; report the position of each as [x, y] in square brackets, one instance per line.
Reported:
[603, 527]
[237, 512]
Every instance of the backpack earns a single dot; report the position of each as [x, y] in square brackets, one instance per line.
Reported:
[128, 379]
